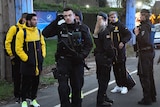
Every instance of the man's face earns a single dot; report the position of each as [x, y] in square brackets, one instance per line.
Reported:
[113, 18]
[142, 17]
[77, 19]
[69, 16]
[23, 20]
[33, 21]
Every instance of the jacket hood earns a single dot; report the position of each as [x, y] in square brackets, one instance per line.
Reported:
[30, 28]
[79, 13]
[19, 24]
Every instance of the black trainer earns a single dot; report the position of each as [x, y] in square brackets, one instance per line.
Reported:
[17, 100]
[144, 102]
[104, 104]
[109, 100]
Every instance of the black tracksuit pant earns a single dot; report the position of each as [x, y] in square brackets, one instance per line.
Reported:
[16, 75]
[119, 69]
[29, 85]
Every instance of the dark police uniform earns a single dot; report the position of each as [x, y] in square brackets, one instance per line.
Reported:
[120, 33]
[145, 63]
[74, 44]
[104, 55]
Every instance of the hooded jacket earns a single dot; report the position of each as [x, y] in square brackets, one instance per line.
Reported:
[31, 51]
[10, 35]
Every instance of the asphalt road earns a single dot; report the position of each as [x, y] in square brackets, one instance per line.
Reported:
[48, 97]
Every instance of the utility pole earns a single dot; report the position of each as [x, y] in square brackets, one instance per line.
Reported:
[130, 16]
[64, 3]
[7, 18]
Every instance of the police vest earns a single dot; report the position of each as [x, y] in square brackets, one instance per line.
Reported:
[70, 41]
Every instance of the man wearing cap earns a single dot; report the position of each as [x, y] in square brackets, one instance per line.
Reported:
[120, 35]
[104, 56]
[146, 55]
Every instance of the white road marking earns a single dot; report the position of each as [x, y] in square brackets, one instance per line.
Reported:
[95, 89]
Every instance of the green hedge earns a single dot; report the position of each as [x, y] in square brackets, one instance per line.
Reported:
[59, 8]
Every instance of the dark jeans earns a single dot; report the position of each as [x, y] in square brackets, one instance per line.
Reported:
[73, 73]
[119, 69]
[145, 72]
[16, 75]
[29, 85]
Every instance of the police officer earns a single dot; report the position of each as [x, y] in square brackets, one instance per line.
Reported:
[146, 56]
[120, 35]
[104, 56]
[74, 44]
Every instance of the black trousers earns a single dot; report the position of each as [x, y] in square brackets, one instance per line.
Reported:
[103, 77]
[146, 76]
[16, 75]
[29, 85]
[71, 78]
[119, 69]
[103, 69]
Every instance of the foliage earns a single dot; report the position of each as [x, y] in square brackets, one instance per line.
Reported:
[6, 90]
[50, 52]
[47, 80]
[59, 8]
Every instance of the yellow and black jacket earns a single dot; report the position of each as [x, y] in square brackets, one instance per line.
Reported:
[10, 36]
[31, 51]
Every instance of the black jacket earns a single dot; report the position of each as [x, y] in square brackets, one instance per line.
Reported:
[143, 38]
[119, 33]
[53, 29]
[104, 44]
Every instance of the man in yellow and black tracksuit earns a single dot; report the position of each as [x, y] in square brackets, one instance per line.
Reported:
[15, 61]
[31, 50]
[120, 35]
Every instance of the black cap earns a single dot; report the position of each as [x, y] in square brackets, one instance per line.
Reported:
[104, 15]
[79, 13]
[145, 11]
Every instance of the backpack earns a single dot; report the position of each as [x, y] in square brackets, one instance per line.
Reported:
[12, 43]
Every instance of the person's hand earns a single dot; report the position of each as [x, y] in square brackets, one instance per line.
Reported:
[12, 57]
[59, 17]
[136, 31]
[121, 45]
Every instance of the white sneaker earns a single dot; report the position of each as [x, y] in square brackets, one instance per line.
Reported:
[24, 104]
[116, 89]
[34, 103]
[124, 90]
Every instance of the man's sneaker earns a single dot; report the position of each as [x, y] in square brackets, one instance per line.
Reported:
[82, 96]
[116, 89]
[34, 103]
[124, 90]
[144, 102]
[104, 104]
[24, 104]
[17, 100]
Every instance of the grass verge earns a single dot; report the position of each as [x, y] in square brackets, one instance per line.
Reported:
[6, 90]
